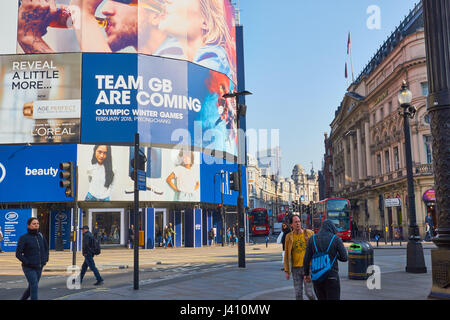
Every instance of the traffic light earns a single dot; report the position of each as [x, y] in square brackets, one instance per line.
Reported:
[66, 175]
[234, 181]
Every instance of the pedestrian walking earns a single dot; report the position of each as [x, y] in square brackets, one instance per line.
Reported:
[285, 229]
[96, 232]
[159, 238]
[211, 236]
[229, 237]
[429, 220]
[32, 251]
[295, 245]
[428, 232]
[326, 240]
[131, 237]
[170, 234]
[89, 250]
[1, 239]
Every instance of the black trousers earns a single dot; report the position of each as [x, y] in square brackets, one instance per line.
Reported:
[330, 289]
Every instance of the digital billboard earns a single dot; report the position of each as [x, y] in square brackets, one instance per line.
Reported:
[30, 173]
[105, 174]
[198, 31]
[40, 98]
[168, 102]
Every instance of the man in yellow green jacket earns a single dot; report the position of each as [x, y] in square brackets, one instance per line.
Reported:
[295, 248]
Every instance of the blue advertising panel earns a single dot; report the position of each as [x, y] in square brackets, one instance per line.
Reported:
[104, 120]
[14, 224]
[178, 229]
[198, 222]
[63, 217]
[213, 172]
[30, 173]
[188, 228]
[217, 224]
[167, 101]
[150, 228]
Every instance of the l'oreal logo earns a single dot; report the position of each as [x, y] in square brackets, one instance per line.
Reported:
[11, 216]
[2, 172]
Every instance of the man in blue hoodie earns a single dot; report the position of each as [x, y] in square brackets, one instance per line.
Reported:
[330, 288]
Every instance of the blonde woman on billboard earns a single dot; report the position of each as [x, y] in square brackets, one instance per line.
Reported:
[201, 28]
[100, 174]
[186, 181]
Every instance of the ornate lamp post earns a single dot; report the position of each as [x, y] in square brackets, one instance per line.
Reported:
[437, 34]
[415, 261]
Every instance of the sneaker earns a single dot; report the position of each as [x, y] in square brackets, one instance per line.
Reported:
[98, 283]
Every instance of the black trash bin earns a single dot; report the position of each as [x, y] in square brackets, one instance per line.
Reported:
[360, 257]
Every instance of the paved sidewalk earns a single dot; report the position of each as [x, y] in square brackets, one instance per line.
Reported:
[266, 281]
[122, 258]
[259, 281]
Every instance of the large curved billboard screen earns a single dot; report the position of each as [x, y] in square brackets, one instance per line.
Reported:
[198, 31]
[168, 102]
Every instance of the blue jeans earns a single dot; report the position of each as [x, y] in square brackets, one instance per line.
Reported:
[89, 262]
[169, 239]
[33, 276]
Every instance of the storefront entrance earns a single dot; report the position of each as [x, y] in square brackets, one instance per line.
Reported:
[160, 222]
[107, 225]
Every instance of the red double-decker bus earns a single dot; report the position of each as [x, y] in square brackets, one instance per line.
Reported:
[258, 222]
[338, 211]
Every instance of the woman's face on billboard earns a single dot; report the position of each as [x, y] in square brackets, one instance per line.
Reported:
[182, 18]
[101, 153]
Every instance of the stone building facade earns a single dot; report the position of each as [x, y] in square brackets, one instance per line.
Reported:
[368, 144]
[277, 193]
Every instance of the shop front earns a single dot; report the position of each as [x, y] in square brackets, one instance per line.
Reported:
[429, 198]
[108, 226]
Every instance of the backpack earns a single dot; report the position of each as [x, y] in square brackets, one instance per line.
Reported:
[96, 250]
[321, 264]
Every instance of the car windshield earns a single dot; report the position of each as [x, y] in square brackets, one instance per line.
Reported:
[338, 213]
[259, 217]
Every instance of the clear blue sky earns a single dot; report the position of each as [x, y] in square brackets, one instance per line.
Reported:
[295, 53]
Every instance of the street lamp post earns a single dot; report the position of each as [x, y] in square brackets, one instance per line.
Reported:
[415, 261]
[437, 34]
[241, 110]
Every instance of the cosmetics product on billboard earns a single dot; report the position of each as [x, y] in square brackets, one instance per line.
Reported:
[52, 109]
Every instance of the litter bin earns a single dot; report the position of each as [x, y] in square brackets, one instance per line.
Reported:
[360, 257]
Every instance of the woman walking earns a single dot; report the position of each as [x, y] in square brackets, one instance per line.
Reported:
[32, 251]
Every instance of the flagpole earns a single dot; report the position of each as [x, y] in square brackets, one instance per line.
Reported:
[351, 57]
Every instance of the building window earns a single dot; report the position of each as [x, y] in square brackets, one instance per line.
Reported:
[428, 149]
[379, 164]
[427, 119]
[390, 107]
[373, 119]
[387, 161]
[396, 159]
[424, 86]
[382, 113]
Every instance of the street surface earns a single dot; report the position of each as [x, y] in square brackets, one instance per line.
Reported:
[187, 273]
